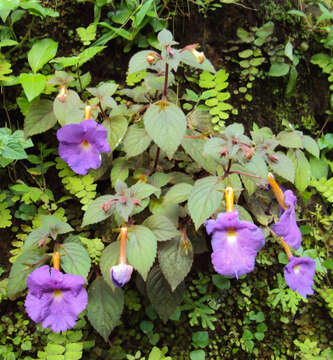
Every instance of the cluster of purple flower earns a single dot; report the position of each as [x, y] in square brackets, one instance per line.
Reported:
[235, 245]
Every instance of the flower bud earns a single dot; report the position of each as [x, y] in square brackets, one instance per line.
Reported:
[151, 58]
[62, 93]
[199, 56]
[121, 274]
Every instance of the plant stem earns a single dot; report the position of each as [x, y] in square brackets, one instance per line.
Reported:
[104, 117]
[156, 159]
[246, 174]
[166, 80]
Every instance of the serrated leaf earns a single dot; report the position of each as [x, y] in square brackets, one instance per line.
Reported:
[119, 171]
[75, 259]
[141, 190]
[40, 118]
[69, 112]
[283, 167]
[21, 269]
[116, 128]
[164, 301]
[41, 52]
[95, 212]
[55, 226]
[136, 141]
[141, 249]
[104, 307]
[319, 168]
[303, 170]
[109, 258]
[33, 84]
[310, 145]
[166, 124]
[204, 199]
[195, 148]
[175, 259]
[290, 139]
[162, 227]
[138, 62]
[165, 37]
[178, 193]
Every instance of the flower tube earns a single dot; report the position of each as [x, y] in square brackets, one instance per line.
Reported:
[286, 227]
[121, 273]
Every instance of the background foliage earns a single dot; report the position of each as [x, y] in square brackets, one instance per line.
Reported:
[272, 89]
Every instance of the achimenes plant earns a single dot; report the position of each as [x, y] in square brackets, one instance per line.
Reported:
[168, 182]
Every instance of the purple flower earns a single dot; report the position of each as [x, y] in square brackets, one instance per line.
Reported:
[235, 244]
[80, 145]
[299, 275]
[287, 226]
[55, 299]
[121, 274]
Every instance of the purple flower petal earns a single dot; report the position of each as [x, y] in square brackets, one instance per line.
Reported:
[55, 299]
[121, 274]
[299, 273]
[83, 152]
[287, 227]
[71, 134]
[235, 244]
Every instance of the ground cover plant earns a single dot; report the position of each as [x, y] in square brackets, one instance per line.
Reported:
[157, 206]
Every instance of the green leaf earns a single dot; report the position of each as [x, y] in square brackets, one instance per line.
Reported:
[55, 226]
[95, 212]
[21, 269]
[297, 13]
[178, 193]
[166, 124]
[303, 170]
[245, 54]
[35, 237]
[195, 148]
[79, 60]
[140, 191]
[109, 258]
[175, 258]
[136, 141]
[33, 84]
[40, 118]
[290, 139]
[70, 111]
[140, 15]
[141, 249]
[41, 52]
[278, 69]
[319, 168]
[165, 37]
[283, 167]
[204, 199]
[116, 128]
[200, 339]
[162, 227]
[75, 259]
[221, 282]
[120, 170]
[188, 58]
[104, 307]
[197, 355]
[138, 62]
[163, 300]
[310, 145]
